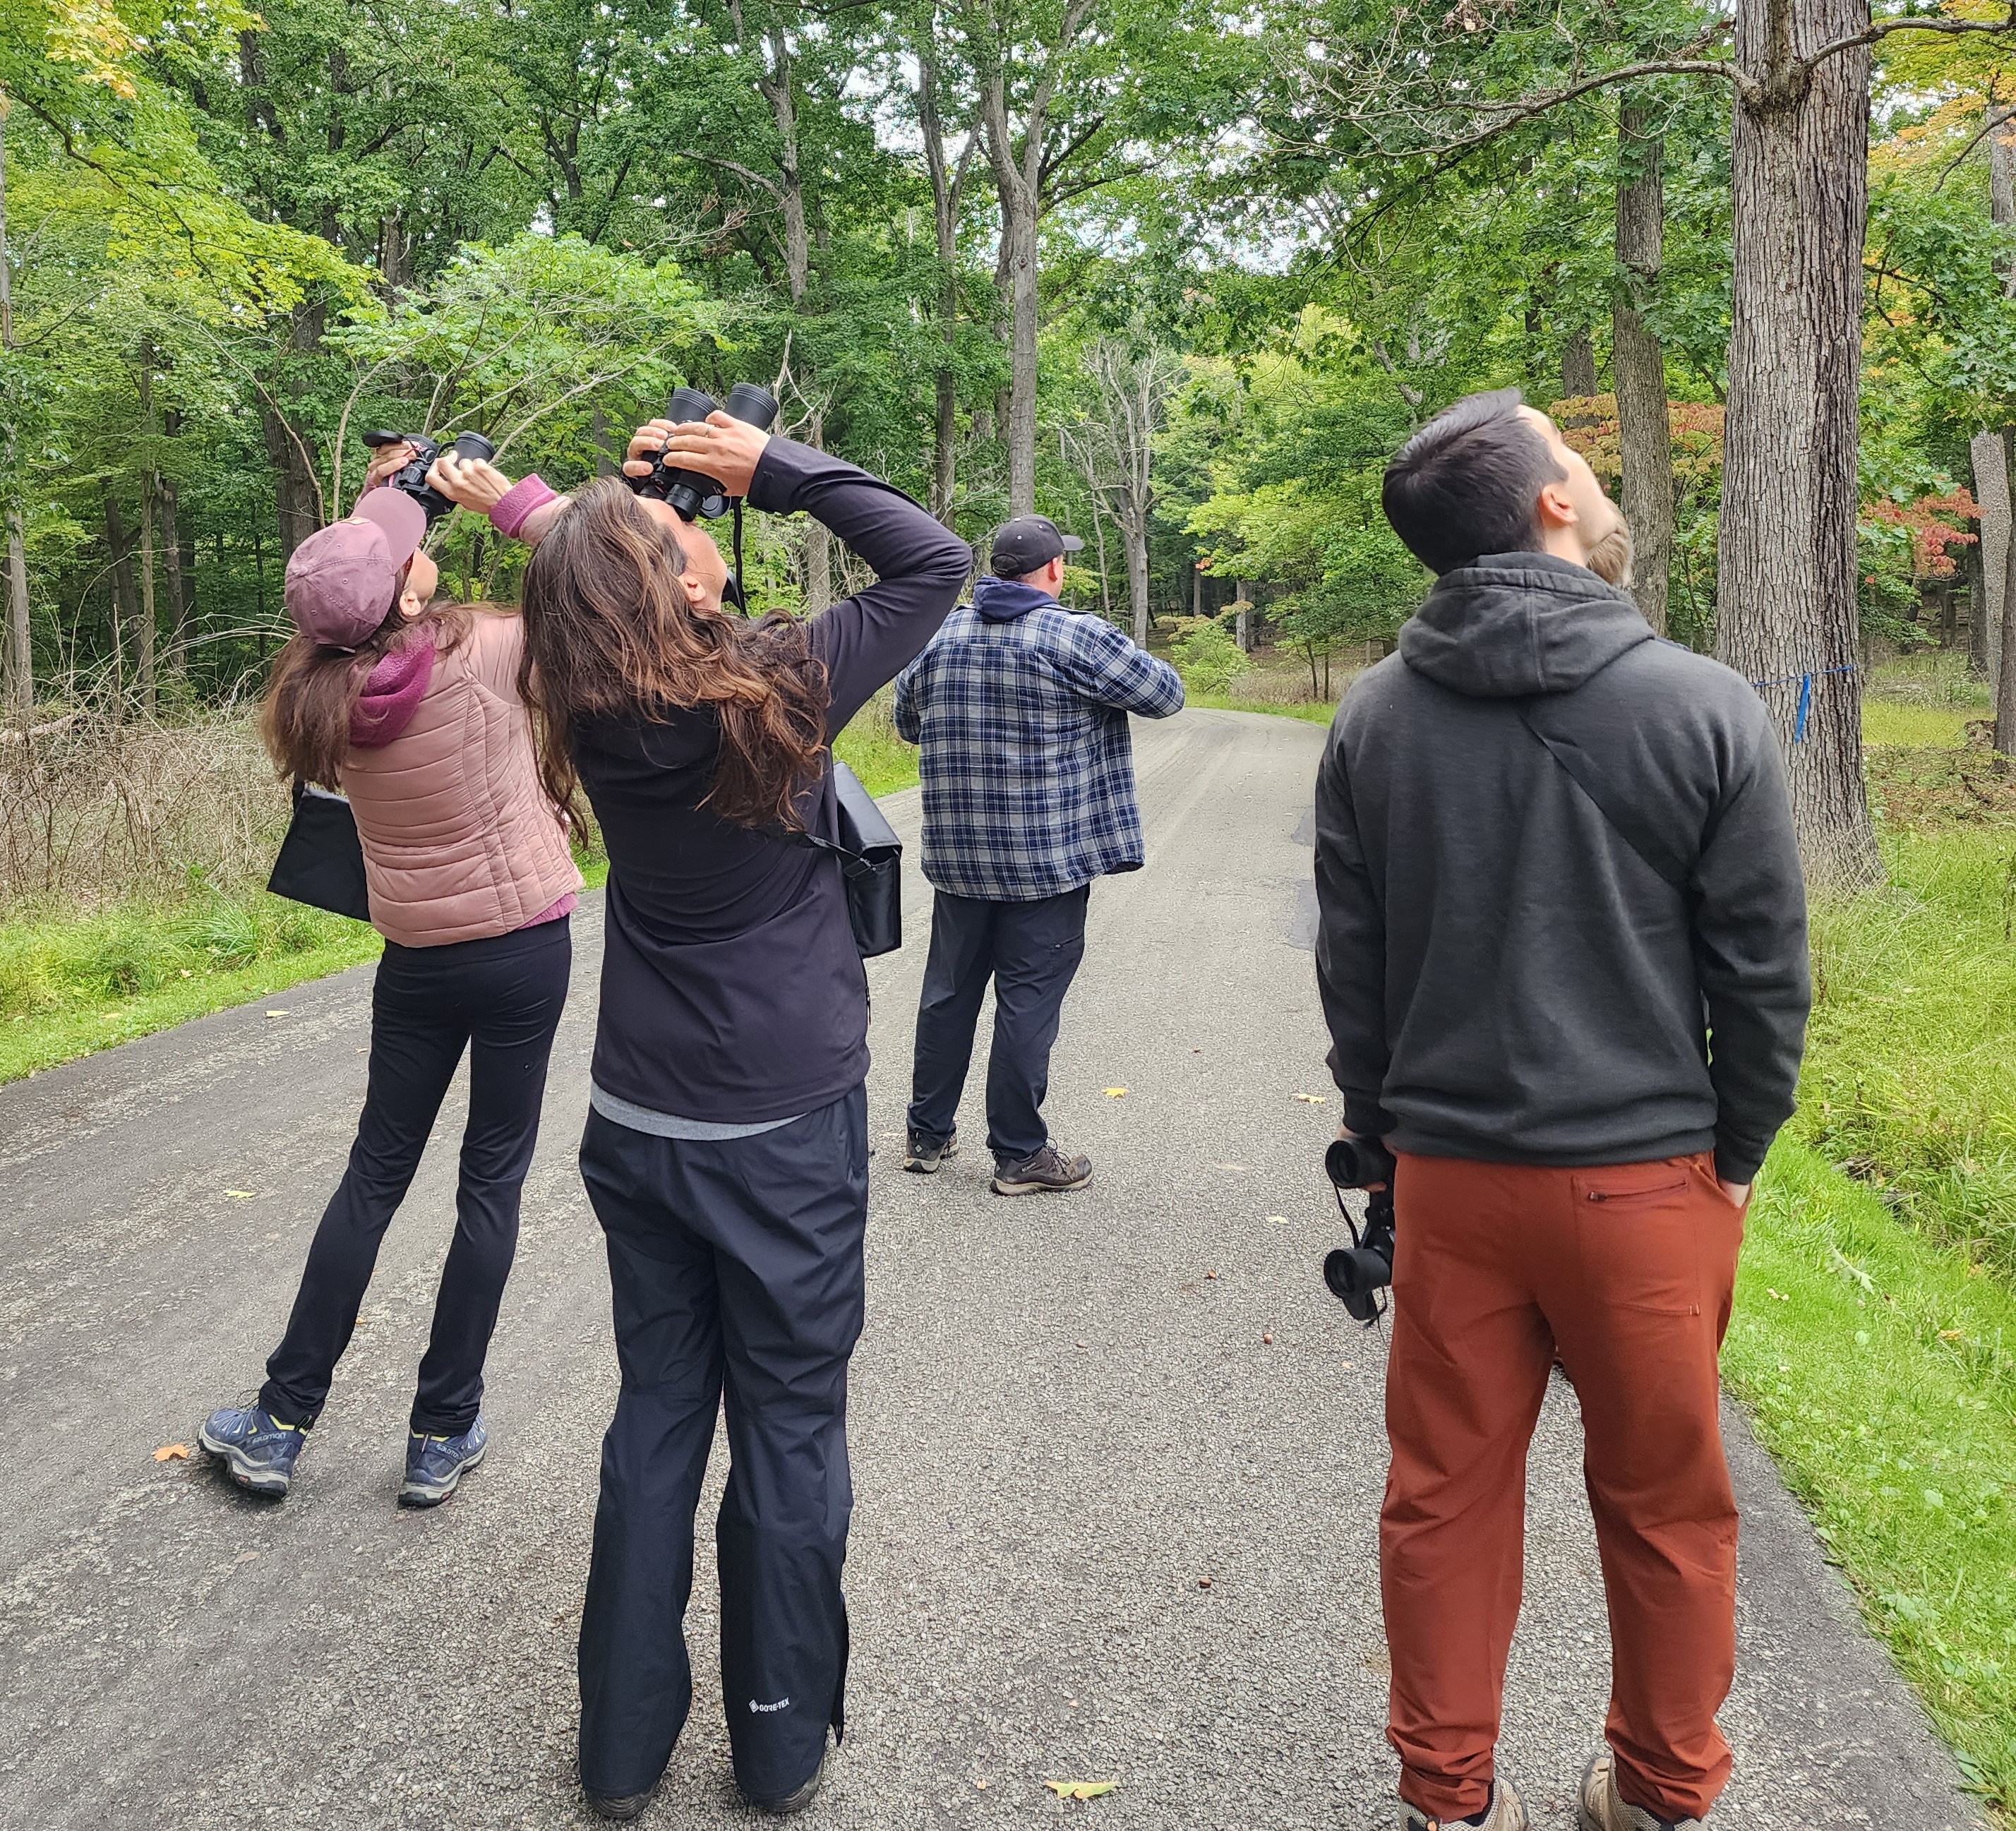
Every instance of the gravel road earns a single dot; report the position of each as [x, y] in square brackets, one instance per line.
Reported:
[1106, 1529]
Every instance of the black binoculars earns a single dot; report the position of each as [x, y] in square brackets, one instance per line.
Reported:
[1358, 1274]
[410, 478]
[691, 493]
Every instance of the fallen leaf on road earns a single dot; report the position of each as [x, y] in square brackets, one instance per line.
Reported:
[1114, 1093]
[172, 1452]
[1228, 1166]
[1267, 1340]
[981, 1785]
[280, 1013]
[1080, 1789]
[1312, 1099]
[1212, 1274]
[1204, 1583]
[1278, 1220]
[239, 1194]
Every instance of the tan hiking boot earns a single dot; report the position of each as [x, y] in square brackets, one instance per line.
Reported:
[1600, 1807]
[1507, 1812]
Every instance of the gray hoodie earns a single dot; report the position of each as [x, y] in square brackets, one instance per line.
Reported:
[1504, 978]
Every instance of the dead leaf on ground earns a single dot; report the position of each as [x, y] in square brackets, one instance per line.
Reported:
[1114, 1093]
[1080, 1788]
[172, 1452]
[239, 1194]
[1278, 1220]
[1312, 1099]
[280, 1013]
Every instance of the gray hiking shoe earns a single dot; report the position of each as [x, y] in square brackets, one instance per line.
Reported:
[1048, 1169]
[923, 1154]
[1507, 1812]
[1600, 1807]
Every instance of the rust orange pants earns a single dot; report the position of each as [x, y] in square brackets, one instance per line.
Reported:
[1627, 1271]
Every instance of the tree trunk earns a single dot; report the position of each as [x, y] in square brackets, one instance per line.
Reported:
[177, 557]
[2005, 677]
[947, 186]
[120, 545]
[1134, 536]
[1578, 366]
[1786, 601]
[1991, 491]
[1019, 215]
[296, 498]
[146, 627]
[19, 670]
[1638, 364]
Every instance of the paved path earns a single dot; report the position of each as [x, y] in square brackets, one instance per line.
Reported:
[1061, 1425]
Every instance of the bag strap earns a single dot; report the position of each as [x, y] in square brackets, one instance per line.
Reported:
[1647, 842]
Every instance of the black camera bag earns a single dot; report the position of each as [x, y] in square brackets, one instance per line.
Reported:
[871, 861]
[321, 859]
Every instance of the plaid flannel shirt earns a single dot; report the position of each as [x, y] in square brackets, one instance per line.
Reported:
[1028, 767]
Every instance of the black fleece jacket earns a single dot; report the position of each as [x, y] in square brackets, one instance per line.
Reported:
[732, 989]
[1505, 978]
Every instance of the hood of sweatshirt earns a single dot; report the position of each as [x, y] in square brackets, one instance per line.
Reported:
[393, 693]
[1510, 625]
[1001, 600]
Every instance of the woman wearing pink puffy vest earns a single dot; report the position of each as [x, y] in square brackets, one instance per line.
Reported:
[411, 707]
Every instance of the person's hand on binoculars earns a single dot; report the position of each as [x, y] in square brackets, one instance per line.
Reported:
[468, 482]
[385, 460]
[725, 449]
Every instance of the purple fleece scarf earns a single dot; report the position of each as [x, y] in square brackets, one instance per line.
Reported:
[392, 694]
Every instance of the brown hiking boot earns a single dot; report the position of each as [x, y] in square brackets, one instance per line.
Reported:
[1048, 1169]
[1600, 1807]
[1507, 1812]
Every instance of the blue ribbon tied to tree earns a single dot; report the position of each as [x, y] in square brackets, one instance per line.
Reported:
[1805, 681]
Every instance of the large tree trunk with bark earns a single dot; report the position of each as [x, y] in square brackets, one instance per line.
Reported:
[1134, 536]
[19, 669]
[1638, 363]
[1991, 491]
[947, 186]
[1786, 600]
[1578, 366]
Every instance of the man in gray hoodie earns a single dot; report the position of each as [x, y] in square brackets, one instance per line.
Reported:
[1562, 955]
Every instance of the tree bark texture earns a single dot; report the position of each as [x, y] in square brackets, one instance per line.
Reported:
[21, 656]
[2005, 676]
[119, 543]
[1991, 491]
[1638, 362]
[1578, 366]
[1786, 608]
[947, 184]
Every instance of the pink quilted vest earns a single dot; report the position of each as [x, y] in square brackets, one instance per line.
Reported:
[460, 839]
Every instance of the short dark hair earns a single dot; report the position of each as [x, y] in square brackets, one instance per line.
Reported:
[1469, 482]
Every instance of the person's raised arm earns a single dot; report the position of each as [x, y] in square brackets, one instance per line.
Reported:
[1351, 953]
[1750, 952]
[525, 510]
[865, 640]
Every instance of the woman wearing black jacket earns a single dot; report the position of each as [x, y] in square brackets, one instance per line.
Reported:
[726, 1150]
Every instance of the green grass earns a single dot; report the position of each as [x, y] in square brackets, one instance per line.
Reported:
[1311, 711]
[870, 747]
[1885, 722]
[1879, 1368]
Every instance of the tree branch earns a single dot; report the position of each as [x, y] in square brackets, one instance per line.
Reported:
[1883, 28]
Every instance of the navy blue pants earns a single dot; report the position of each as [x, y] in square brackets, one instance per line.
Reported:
[500, 998]
[735, 1267]
[1032, 952]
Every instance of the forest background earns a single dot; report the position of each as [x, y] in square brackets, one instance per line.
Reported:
[1183, 277]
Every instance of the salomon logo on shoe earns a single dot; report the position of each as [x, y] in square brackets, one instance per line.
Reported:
[782, 1703]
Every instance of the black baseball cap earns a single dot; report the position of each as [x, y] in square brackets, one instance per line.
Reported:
[1027, 544]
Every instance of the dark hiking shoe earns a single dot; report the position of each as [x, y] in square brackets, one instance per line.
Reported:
[1507, 1812]
[621, 1806]
[1048, 1169]
[435, 1465]
[256, 1448]
[923, 1153]
[797, 1800]
[1600, 1807]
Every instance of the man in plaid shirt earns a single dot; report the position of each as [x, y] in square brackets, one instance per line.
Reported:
[1021, 707]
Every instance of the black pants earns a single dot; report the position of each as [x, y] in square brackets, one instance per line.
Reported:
[500, 998]
[1032, 952]
[736, 1266]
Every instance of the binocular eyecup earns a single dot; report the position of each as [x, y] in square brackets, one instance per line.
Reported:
[410, 478]
[691, 494]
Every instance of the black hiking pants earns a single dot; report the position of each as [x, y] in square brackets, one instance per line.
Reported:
[736, 1268]
[500, 998]
[1032, 952]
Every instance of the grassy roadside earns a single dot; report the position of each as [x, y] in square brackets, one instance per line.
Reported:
[72, 984]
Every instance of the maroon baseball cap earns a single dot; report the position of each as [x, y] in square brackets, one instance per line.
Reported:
[344, 580]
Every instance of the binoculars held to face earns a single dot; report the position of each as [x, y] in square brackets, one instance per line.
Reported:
[689, 493]
[410, 478]
[1358, 1274]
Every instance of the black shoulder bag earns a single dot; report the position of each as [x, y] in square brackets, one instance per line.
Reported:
[871, 861]
[321, 859]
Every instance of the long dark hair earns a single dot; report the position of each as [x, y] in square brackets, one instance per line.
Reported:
[304, 718]
[610, 632]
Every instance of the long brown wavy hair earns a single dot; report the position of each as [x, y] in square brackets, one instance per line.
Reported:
[304, 718]
[610, 632]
